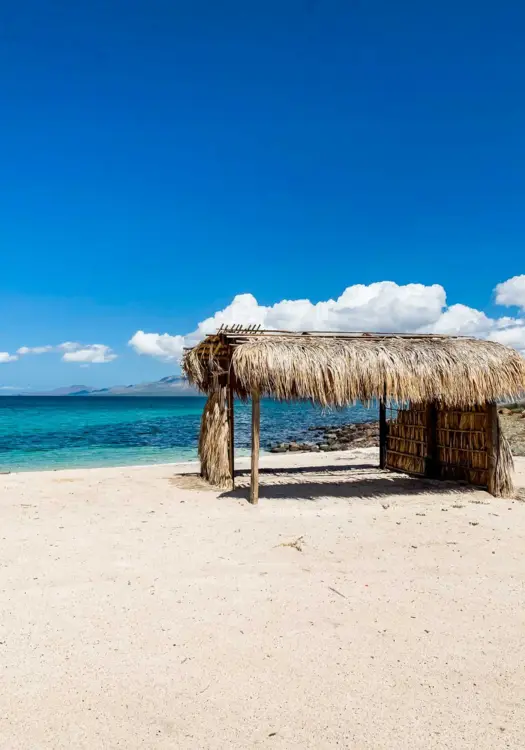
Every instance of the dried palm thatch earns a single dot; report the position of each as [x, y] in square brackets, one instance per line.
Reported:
[500, 484]
[213, 441]
[338, 370]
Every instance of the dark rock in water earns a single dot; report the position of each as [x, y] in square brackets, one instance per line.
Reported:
[333, 438]
[279, 447]
[293, 447]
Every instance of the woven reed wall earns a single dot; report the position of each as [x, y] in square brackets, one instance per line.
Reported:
[462, 445]
[407, 441]
[444, 444]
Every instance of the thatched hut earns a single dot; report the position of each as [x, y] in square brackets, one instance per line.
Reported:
[437, 395]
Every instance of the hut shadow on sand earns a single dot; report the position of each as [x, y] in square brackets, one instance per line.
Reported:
[437, 400]
[356, 482]
[312, 483]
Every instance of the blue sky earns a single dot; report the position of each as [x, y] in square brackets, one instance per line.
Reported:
[159, 158]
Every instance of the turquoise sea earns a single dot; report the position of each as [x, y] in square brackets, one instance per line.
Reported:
[68, 432]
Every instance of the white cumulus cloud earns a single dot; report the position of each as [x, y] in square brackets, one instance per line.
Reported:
[160, 345]
[460, 320]
[6, 357]
[69, 346]
[72, 351]
[383, 306]
[512, 335]
[93, 354]
[34, 350]
[512, 292]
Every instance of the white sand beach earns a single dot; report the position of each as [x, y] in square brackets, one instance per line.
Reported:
[352, 608]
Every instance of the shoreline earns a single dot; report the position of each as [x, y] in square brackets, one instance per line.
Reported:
[12, 472]
[193, 461]
[242, 463]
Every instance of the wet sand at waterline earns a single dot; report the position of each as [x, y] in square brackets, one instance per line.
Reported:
[352, 608]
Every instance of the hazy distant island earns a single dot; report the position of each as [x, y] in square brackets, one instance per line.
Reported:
[172, 385]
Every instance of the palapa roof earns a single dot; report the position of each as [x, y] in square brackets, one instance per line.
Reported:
[338, 369]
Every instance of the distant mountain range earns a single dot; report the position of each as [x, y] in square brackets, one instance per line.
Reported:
[172, 385]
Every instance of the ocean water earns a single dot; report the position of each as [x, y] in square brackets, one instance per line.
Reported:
[68, 432]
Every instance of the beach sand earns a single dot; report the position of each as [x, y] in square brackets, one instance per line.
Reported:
[139, 609]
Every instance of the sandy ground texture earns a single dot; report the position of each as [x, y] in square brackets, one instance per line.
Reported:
[347, 610]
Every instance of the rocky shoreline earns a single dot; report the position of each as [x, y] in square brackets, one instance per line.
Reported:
[366, 435]
[333, 438]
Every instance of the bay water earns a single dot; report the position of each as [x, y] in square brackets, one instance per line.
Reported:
[74, 432]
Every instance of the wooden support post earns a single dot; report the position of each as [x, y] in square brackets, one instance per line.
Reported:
[383, 433]
[492, 440]
[432, 455]
[256, 423]
[231, 426]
